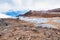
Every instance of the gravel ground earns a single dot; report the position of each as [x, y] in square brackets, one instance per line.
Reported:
[20, 30]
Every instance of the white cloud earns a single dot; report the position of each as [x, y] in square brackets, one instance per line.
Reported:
[44, 6]
[17, 4]
[5, 7]
[29, 4]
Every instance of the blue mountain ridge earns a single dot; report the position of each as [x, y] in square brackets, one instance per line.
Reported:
[15, 13]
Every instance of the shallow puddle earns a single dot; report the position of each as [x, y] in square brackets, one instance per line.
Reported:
[58, 21]
[38, 21]
[35, 20]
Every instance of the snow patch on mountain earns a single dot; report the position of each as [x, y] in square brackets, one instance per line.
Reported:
[4, 16]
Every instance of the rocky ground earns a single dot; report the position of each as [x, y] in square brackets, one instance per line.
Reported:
[14, 29]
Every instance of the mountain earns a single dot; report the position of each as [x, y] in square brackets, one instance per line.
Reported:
[32, 13]
[15, 13]
[55, 10]
[48, 13]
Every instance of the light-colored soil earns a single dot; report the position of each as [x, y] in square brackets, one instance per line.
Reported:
[21, 30]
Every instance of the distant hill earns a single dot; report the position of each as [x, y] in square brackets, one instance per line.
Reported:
[55, 10]
[48, 13]
[15, 13]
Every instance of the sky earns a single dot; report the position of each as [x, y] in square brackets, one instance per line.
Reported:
[6, 5]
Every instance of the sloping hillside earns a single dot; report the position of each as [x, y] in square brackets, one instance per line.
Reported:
[48, 13]
[55, 10]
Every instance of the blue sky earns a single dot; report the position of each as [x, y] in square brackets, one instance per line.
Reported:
[6, 5]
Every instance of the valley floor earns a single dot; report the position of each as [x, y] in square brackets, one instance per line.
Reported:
[14, 29]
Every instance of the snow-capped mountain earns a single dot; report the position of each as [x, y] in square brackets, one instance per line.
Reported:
[12, 13]
[15, 13]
